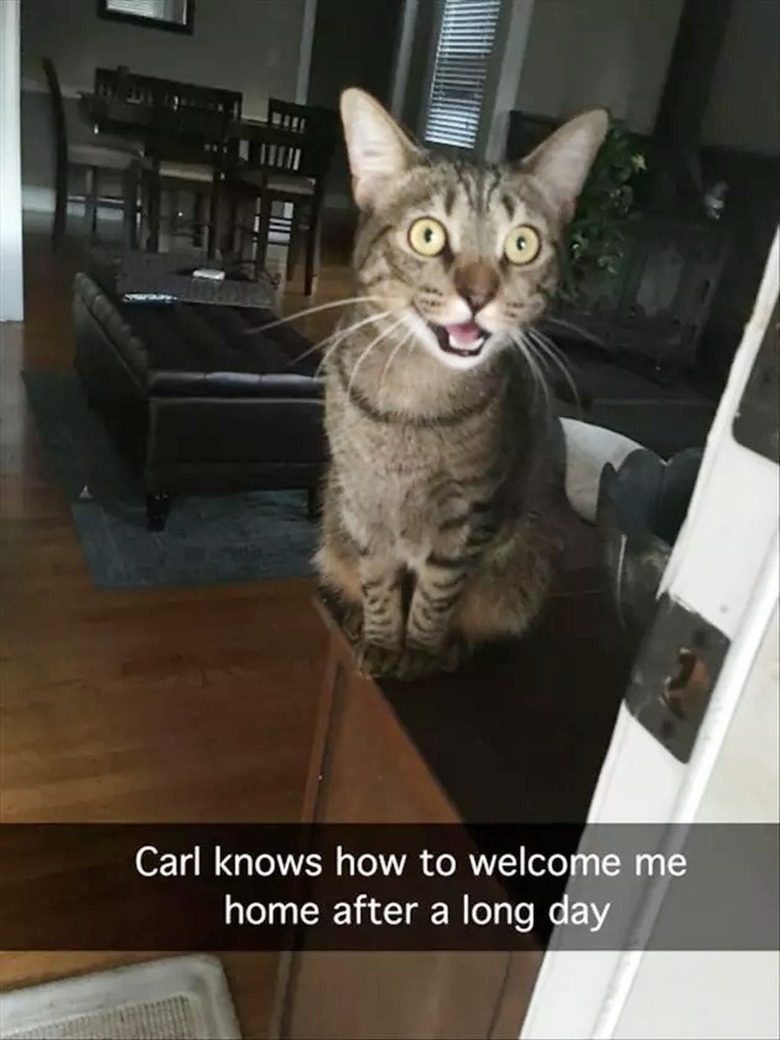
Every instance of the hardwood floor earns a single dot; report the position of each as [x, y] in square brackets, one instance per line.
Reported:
[150, 705]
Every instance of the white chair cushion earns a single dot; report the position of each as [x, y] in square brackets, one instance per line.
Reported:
[588, 449]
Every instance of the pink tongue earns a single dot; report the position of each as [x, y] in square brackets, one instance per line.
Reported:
[465, 334]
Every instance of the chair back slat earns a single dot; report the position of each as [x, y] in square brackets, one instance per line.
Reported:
[186, 122]
[319, 128]
[287, 115]
[166, 94]
[283, 151]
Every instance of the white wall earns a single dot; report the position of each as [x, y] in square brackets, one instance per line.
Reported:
[589, 53]
[246, 45]
[742, 112]
[11, 287]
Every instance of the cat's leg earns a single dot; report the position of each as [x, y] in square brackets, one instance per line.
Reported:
[383, 615]
[337, 562]
[339, 576]
[432, 644]
[366, 583]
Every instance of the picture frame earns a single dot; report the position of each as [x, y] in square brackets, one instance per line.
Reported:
[171, 15]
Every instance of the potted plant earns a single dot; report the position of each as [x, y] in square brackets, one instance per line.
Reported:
[594, 246]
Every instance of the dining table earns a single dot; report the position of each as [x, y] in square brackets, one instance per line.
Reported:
[249, 157]
[148, 125]
[136, 120]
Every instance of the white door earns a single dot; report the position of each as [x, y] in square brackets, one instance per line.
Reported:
[722, 579]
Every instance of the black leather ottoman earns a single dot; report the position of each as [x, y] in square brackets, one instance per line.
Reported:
[196, 398]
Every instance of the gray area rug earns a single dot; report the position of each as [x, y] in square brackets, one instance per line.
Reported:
[208, 539]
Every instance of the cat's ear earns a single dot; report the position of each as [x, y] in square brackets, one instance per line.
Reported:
[561, 163]
[378, 148]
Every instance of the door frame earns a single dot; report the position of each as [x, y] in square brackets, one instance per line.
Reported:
[305, 50]
[11, 273]
[403, 55]
[501, 86]
[593, 994]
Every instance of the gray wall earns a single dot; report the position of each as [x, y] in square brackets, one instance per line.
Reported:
[583, 53]
[742, 112]
[246, 45]
[354, 45]
[589, 53]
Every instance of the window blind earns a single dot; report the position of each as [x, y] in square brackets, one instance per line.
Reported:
[165, 10]
[466, 38]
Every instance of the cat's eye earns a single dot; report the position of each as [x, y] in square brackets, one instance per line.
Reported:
[522, 245]
[427, 236]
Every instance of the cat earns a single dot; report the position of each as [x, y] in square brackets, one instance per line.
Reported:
[443, 500]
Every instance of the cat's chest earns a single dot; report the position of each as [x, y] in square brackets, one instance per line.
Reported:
[401, 451]
[395, 498]
[402, 478]
[400, 460]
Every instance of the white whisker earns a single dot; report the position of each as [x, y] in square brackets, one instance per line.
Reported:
[326, 356]
[312, 310]
[367, 351]
[552, 354]
[401, 343]
[537, 375]
[571, 326]
[340, 335]
[335, 338]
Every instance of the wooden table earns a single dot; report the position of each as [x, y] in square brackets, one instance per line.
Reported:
[134, 120]
[517, 735]
[146, 125]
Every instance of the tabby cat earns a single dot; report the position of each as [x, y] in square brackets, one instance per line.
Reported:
[443, 500]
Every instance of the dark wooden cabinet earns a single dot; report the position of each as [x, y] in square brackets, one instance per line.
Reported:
[517, 735]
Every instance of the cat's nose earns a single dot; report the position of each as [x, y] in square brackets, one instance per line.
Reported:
[477, 283]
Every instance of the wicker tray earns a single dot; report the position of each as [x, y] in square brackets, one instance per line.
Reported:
[168, 278]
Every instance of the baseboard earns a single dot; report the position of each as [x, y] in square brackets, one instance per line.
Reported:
[41, 201]
[338, 217]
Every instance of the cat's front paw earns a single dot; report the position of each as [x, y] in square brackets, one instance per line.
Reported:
[418, 662]
[376, 661]
[411, 662]
[351, 621]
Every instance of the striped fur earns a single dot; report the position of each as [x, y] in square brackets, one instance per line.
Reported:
[444, 495]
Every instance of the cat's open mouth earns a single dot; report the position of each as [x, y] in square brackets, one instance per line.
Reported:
[465, 339]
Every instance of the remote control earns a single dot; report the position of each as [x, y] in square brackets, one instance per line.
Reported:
[210, 273]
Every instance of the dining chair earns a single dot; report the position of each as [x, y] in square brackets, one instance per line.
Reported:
[88, 157]
[186, 152]
[290, 115]
[186, 148]
[288, 163]
[123, 85]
